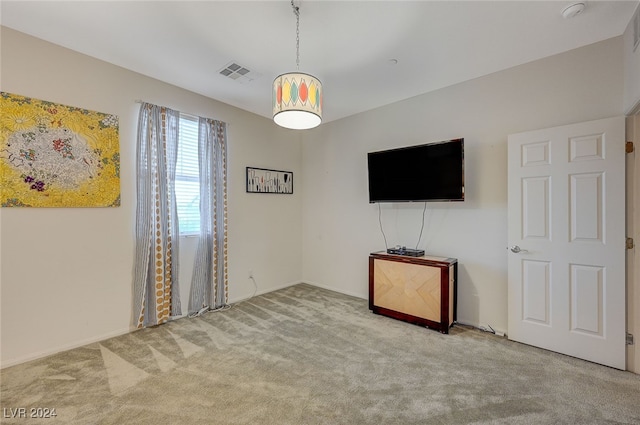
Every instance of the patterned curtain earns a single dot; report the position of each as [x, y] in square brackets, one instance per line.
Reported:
[156, 294]
[209, 282]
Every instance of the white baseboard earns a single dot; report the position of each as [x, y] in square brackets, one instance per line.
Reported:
[330, 288]
[498, 331]
[58, 349]
[61, 348]
[239, 299]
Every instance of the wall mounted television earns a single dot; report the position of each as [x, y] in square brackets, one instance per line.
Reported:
[429, 172]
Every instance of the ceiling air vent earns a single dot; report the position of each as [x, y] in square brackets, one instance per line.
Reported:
[238, 73]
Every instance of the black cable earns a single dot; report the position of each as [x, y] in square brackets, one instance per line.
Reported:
[422, 228]
[380, 221]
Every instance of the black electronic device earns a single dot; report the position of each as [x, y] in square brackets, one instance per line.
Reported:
[402, 250]
[429, 172]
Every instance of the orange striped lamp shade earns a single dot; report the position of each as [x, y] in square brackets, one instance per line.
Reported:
[297, 101]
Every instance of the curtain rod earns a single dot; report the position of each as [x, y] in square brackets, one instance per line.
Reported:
[186, 113]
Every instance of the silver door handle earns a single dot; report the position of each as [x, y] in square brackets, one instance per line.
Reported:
[516, 249]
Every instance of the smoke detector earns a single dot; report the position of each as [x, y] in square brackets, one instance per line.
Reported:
[572, 10]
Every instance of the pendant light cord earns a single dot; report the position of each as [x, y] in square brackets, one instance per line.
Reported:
[296, 11]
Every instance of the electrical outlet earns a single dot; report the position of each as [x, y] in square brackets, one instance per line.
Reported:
[250, 274]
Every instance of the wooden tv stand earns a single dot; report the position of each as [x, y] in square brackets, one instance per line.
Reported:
[419, 290]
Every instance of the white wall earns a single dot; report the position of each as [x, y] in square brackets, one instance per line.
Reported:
[631, 69]
[340, 227]
[66, 274]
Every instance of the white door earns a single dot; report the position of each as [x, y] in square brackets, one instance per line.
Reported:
[566, 230]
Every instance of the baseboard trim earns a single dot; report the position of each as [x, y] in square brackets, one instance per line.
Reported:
[240, 299]
[330, 288]
[60, 349]
[475, 325]
[235, 300]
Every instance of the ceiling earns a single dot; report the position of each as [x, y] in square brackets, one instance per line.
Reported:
[366, 53]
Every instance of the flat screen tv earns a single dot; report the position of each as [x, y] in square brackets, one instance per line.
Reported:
[429, 172]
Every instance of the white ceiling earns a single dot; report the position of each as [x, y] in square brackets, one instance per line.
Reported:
[348, 45]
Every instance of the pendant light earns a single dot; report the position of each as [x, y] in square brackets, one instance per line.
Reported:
[297, 97]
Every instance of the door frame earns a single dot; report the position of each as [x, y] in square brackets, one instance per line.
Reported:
[588, 320]
[633, 230]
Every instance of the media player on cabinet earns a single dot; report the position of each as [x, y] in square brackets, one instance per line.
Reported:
[420, 290]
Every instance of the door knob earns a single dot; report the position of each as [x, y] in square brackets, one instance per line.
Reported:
[516, 249]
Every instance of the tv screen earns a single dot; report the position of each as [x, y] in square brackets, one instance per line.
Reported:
[430, 172]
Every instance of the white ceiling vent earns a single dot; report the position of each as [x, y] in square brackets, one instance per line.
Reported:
[238, 73]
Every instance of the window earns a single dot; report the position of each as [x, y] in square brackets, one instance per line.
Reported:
[187, 181]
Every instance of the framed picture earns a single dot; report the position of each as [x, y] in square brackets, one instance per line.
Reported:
[262, 180]
[54, 155]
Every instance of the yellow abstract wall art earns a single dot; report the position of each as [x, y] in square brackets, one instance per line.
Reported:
[54, 155]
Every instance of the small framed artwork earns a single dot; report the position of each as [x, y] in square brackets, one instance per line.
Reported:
[262, 180]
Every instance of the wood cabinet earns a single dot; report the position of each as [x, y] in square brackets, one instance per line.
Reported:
[419, 290]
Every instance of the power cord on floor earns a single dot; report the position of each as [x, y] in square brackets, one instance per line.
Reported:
[210, 310]
[223, 307]
[490, 330]
[226, 307]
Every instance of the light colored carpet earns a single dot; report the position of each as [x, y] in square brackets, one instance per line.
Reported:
[304, 355]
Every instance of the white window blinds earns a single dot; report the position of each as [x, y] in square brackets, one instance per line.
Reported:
[187, 181]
